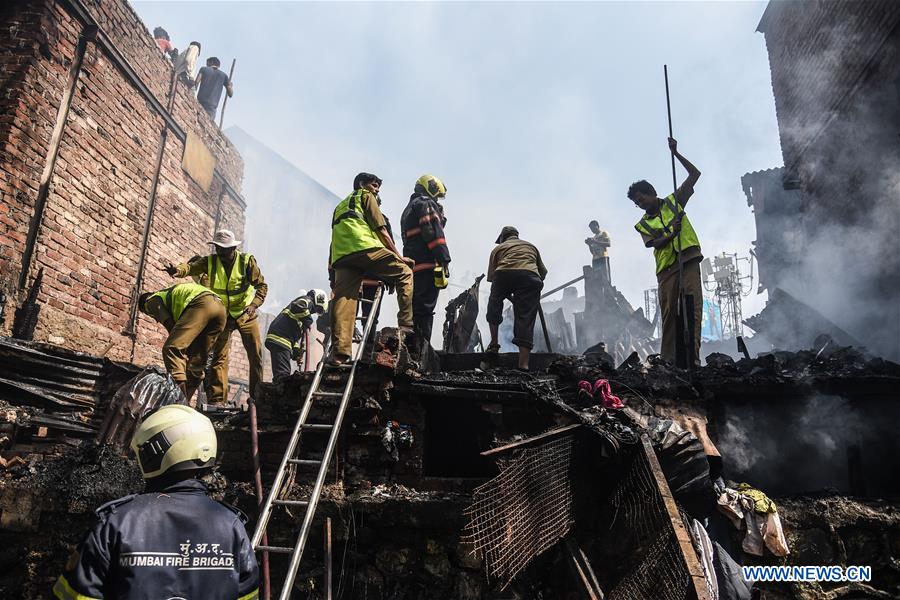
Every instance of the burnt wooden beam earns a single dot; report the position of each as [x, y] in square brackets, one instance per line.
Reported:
[531, 440]
[469, 393]
[580, 565]
[682, 535]
[22, 394]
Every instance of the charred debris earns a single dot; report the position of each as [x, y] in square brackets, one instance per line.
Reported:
[461, 478]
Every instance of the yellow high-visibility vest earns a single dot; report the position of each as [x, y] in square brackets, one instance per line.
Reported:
[350, 232]
[659, 225]
[177, 297]
[233, 288]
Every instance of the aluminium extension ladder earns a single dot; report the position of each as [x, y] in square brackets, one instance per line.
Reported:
[290, 455]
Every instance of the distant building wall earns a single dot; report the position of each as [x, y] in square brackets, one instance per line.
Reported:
[836, 80]
[89, 242]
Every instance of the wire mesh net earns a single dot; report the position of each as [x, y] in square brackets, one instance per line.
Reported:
[659, 571]
[524, 510]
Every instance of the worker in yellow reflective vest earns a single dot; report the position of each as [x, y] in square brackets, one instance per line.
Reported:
[194, 318]
[361, 247]
[235, 278]
[665, 227]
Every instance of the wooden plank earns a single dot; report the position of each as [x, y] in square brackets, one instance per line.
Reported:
[481, 394]
[534, 439]
[698, 579]
[328, 573]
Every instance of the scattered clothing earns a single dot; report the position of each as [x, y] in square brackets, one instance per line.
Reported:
[395, 437]
[760, 517]
[604, 391]
[707, 558]
[761, 502]
[729, 577]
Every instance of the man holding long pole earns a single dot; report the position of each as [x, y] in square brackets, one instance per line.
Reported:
[666, 228]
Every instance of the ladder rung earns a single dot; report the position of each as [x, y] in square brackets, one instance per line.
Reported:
[301, 461]
[318, 426]
[275, 549]
[290, 502]
[366, 300]
[331, 394]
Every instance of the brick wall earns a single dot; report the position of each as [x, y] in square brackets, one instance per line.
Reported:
[90, 242]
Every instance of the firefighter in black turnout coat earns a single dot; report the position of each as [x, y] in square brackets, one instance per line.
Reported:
[423, 224]
[172, 541]
[284, 339]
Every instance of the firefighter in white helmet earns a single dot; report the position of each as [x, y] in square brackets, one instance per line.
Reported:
[172, 541]
[284, 340]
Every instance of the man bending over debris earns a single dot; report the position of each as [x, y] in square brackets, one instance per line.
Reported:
[666, 228]
[516, 272]
[172, 541]
[284, 340]
[361, 246]
[235, 278]
[194, 318]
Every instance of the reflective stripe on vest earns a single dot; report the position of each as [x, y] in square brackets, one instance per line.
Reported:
[659, 225]
[235, 289]
[177, 297]
[281, 341]
[298, 317]
[350, 232]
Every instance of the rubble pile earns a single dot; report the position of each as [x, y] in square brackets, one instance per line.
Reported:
[398, 509]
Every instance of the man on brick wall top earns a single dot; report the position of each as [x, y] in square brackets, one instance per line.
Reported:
[237, 280]
[210, 81]
[194, 317]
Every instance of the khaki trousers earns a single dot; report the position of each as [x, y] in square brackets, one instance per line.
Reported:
[185, 350]
[249, 330]
[381, 264]
[668, 304]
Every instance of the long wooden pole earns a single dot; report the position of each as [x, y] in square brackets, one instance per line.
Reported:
[225, 102]
[669, 112]
[687, 337]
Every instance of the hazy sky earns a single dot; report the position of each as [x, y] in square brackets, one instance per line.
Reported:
[534, 114]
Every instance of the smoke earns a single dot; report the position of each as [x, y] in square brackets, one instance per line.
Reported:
[788, 446]
[841, 141]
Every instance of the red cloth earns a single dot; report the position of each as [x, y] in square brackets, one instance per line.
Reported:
[164, 44]
[602, 389]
